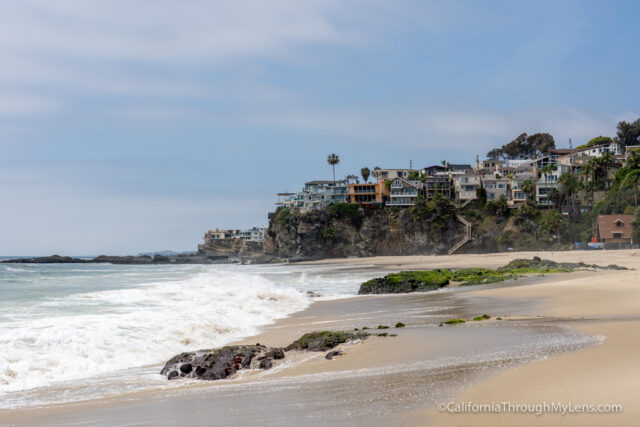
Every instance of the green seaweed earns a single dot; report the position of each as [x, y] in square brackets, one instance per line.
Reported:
[454, 321]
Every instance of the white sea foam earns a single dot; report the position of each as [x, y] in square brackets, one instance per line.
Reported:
[98, 332]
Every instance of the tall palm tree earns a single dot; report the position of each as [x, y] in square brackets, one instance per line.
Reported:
[606, 161]
[633, 179]
[529, 188]
[365, 172]
[333, 160]
[570, 187]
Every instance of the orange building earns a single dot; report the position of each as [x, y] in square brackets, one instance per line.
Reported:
[373, 192]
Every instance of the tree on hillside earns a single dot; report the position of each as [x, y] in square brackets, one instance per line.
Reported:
[598, 140]
[351, 178]
[518, 147]
[633, 180]
[606, 161]
[635, 234]
[633, 160]
[551, 222]
[495, 154]
[414, 176]
[548, 170]
[570, 187]
[524, 146]
[556, 197]
[529, 188]
[365, 172]
[333, 160]
[541, 143]
[629, 133]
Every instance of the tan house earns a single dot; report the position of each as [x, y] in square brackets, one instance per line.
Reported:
[614, 228]
[368, 193]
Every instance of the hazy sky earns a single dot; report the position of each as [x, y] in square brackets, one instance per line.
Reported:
[128, 126]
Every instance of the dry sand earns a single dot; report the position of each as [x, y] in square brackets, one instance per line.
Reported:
[604, 303]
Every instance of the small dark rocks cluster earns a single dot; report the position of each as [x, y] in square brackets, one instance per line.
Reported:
[220, 363]
[217, 364]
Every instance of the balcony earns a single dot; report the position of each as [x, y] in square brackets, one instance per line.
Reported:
[400, 203]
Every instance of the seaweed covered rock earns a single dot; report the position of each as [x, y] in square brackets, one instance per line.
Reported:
[325, 340]
[430, 280]
[220, 363]
[406, 281]
[538, 265]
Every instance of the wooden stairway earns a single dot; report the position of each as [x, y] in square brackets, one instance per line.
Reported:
[467, 234]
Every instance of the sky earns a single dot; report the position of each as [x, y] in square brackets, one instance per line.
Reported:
[131, 126]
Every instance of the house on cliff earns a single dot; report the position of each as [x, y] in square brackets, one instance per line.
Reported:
[403, 192]
[615, 230]
[368, 193]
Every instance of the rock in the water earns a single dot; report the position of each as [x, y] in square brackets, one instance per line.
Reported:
[265, 364]
[325, 340]
[333, 353]
[221, 363]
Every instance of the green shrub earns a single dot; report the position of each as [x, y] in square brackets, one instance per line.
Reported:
[454, 321]
[329, 233]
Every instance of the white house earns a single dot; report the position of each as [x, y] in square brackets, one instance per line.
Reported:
[403, 192]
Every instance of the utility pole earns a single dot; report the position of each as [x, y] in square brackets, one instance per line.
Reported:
[410, 165]
[571, 150]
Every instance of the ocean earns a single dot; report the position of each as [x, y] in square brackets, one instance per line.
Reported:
[82, 331]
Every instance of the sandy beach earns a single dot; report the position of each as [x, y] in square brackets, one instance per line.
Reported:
[567, 337]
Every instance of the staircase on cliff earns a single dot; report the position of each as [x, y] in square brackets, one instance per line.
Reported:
[467, 234]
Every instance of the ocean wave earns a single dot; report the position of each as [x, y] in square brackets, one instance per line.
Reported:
[140, 325]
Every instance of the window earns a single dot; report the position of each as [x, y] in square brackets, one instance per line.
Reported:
[619, 223]
[617, 235]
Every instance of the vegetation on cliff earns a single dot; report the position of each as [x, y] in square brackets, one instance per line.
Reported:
[345, 229]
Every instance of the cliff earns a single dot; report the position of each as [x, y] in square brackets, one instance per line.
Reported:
[347, 230]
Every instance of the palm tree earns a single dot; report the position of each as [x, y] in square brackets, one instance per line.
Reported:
[552, 221]
[529, 187]
[633, 179]
[333, 160]
[353, 178]
[633, 160]
[570, 187]
[588, 170]
[606, 161]
[365, 172]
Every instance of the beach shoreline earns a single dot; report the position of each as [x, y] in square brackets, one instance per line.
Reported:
[605, 308]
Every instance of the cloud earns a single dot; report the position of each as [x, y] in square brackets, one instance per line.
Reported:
[457, 129]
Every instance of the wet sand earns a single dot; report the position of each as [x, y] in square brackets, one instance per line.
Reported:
[400, 380]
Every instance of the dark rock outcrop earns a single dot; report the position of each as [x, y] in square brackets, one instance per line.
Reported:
[353, 231]
[109, 259]
[223, 362]
[325, 340]
[333, 354]
[220, 363]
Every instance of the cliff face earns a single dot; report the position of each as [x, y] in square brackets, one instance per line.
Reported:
[233, 250]
[348, 230]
